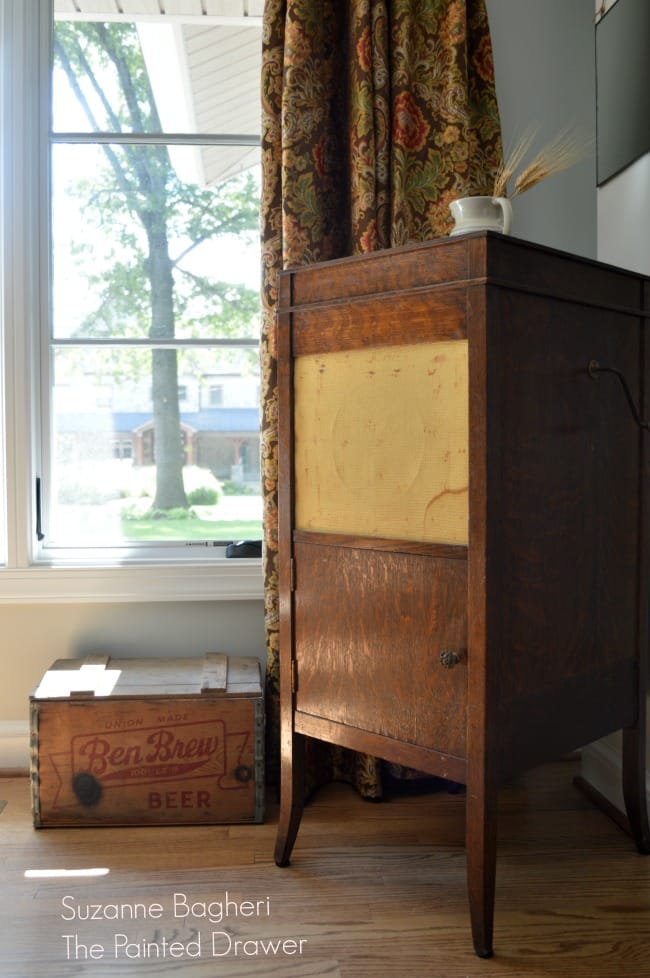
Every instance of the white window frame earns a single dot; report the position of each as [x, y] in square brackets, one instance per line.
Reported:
[25, 30]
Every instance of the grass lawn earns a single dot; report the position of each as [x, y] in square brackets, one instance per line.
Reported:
[194, 529]
[232, 518]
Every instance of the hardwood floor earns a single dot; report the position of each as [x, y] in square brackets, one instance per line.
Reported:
[375, 890]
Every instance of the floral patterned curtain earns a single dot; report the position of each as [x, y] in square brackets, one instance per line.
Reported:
[375, 115]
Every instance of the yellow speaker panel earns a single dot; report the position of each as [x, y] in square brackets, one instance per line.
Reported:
[381, 442]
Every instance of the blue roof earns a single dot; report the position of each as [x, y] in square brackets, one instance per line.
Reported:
[211, 419]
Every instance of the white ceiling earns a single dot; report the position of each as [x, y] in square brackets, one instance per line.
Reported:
[212, 57]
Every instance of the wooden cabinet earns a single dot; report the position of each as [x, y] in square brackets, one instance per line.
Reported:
[463, 519]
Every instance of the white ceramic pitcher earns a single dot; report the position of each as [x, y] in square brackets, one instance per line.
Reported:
[481, 214]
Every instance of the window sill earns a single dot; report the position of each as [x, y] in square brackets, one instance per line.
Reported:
[220, 580]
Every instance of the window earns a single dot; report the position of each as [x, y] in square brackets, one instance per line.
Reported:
[131, 255]
[215, 395]
[123, 448]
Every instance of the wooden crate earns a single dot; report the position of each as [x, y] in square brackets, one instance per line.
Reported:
[148, 742]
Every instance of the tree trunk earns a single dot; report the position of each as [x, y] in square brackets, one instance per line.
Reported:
[170, 492]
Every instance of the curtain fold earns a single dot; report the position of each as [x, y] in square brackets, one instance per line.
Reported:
[376, 114]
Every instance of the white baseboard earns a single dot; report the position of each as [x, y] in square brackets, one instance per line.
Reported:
[14, 745]
[601, 766]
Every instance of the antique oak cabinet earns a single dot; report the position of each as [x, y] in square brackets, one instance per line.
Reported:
[463, 519]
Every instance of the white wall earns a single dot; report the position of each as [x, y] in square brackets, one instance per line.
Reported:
[624, 218]
[544, 69]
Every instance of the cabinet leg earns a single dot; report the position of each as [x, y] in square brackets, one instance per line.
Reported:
[481, 847]
[634, 788]
[292, 797]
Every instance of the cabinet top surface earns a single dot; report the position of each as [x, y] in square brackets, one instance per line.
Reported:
[481, 258]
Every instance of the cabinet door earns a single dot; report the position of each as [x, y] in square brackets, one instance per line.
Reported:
[371, 627]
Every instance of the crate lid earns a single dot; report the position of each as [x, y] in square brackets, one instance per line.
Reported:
[216, 674]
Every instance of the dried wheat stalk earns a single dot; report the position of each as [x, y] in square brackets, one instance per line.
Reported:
[560, 154]
[512, 162]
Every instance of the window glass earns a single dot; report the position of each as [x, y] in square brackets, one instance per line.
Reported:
[127, 230]
[200, 79]
[108, 488]
[155, 287]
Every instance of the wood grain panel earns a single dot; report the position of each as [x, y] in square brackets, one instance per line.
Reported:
[448, 551]
[543, 725]
[369, 631]
[380, 320]
[423, 759]
[543, 271]
[409, 267]
[565, 511]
